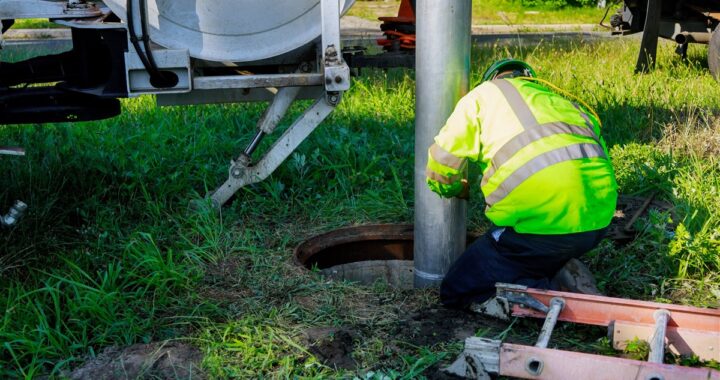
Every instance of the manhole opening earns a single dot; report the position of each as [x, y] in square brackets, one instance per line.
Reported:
[363, 254]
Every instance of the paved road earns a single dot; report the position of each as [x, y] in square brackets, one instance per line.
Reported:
[355, 31]
[352, 27]
[355, 27]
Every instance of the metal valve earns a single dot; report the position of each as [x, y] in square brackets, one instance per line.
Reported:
[17, 211]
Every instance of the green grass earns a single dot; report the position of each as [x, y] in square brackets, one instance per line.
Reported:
[111, 254]
[513, 13]
[494, 12]
[35, 23]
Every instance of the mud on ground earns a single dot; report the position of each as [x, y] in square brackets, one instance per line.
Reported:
[428, 327]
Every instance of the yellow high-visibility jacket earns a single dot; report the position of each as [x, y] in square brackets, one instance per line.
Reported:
[545, 168]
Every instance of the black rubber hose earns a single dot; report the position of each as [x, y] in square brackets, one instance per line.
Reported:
[160, 80]
[133, 36]
[157, 79]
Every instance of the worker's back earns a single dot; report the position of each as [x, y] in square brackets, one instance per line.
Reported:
[545, 168]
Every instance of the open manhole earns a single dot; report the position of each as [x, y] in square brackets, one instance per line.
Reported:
[363, 254]
[366, 254]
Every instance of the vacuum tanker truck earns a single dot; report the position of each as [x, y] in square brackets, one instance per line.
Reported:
[183, 52]
[683, 21]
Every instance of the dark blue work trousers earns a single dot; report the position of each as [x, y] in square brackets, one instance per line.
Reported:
[515, 258]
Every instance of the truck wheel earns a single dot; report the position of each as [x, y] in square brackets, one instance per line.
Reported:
[714, 55]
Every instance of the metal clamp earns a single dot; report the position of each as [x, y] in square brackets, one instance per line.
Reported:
[515, 294]
[337, 72]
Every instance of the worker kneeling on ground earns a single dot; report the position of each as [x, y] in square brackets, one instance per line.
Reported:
[548, 183]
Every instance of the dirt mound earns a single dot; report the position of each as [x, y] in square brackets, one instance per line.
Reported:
[332, 346]
[164, 360]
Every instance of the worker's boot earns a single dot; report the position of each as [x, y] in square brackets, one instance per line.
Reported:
[576, 277]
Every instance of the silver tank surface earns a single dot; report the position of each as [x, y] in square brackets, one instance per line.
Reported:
[231, 30]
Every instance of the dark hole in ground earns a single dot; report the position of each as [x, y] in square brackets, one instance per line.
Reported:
[354, 244]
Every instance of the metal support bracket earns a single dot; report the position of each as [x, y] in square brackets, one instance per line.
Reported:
[243, 174]
[480, 360]
[517, 295]
[335, 78]
[337, 72]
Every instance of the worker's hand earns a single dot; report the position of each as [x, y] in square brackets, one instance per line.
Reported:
[465, 193]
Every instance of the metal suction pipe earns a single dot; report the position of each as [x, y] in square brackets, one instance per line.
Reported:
[693, 38]
[442, 78]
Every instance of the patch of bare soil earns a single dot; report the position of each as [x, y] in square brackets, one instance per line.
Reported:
[221, 284]
[224, 271]
[332, 346]
[166, 360]
[437, 324]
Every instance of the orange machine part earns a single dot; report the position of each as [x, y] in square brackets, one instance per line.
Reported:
[407, 41]
[399, 31]
[405, 14]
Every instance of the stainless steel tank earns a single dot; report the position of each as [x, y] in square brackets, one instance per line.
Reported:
[232, 30]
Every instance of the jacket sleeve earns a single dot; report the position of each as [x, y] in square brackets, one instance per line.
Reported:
[456, 143]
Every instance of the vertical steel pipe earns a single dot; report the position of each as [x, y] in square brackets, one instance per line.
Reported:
[442, 76]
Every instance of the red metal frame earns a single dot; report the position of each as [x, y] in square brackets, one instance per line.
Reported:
[543, 363]
[690, 330]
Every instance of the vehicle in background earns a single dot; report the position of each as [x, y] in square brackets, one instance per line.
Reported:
[183, 52]
[682, 21]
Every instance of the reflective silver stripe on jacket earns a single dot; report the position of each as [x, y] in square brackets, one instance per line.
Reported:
[445, 180]
[443, 157]
[566, 153]
[585, 116]
[529, 136]
[517, 103]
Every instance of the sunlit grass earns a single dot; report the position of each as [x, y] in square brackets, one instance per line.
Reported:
[493, 12]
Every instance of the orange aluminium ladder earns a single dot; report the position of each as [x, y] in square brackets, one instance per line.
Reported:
[684, 330]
